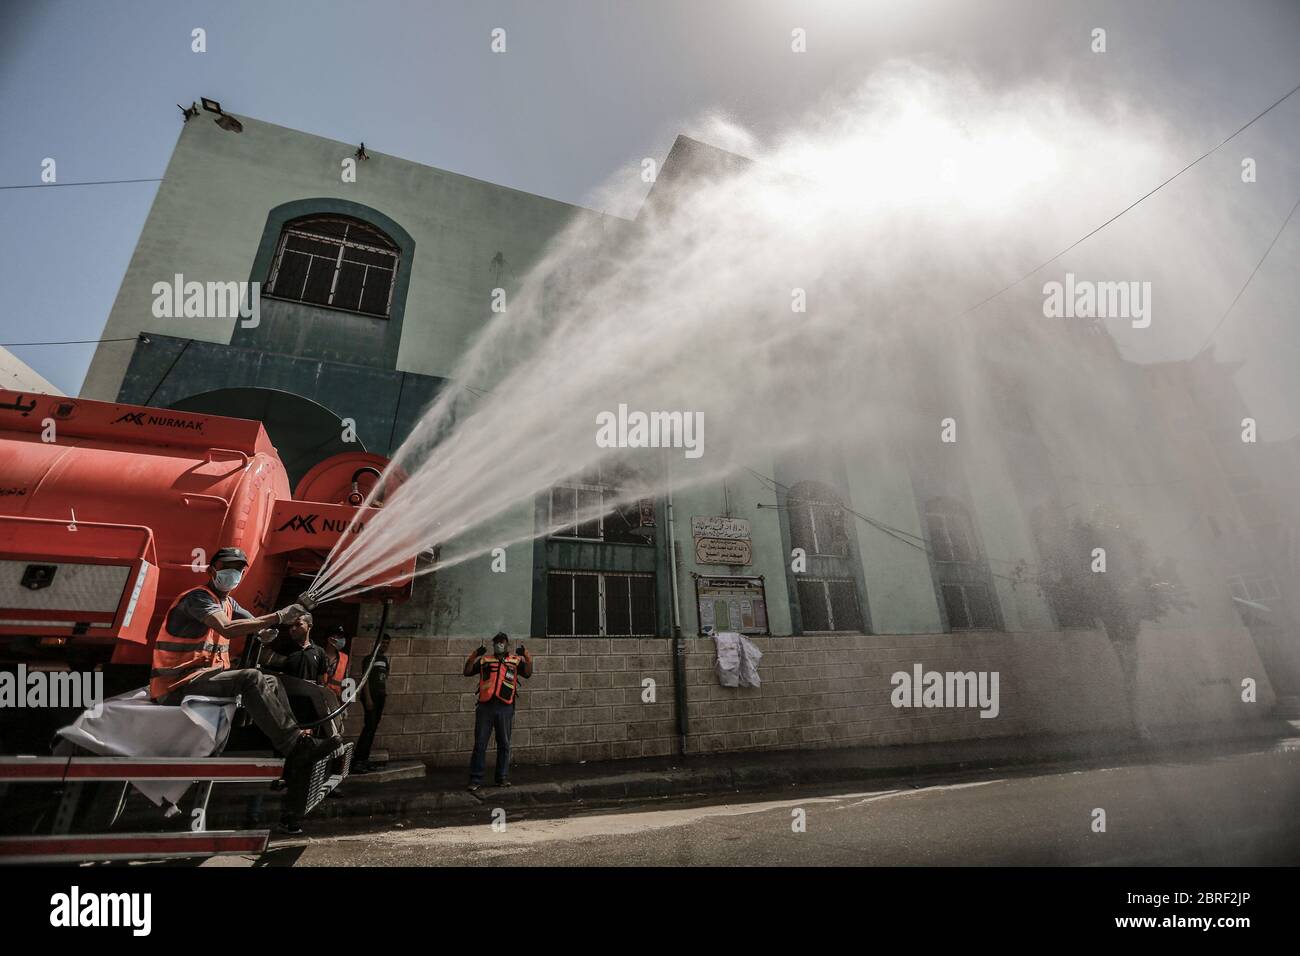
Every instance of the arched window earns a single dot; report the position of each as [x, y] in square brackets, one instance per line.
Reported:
[335, 261]
[962, 576]
[817, 520]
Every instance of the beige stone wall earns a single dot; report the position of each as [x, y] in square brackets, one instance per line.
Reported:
[585, 699]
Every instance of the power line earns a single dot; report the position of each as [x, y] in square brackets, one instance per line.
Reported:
[99, 182]
[1215, 331]
[18, 345]
[899, 533]
[1131, 205]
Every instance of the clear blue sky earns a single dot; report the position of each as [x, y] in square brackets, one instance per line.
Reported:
[587, 87]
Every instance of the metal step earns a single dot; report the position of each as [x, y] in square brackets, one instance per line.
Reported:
[61, 769]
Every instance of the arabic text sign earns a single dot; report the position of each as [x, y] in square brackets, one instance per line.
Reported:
[723, 551]
[717, 526]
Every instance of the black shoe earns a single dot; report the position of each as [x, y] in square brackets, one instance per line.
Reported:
[289, 825]
[308, 750]
[504, 783]
[474, 787]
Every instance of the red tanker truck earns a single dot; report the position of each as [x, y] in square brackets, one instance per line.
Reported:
[108, 512]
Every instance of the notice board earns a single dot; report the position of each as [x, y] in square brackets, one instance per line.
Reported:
[731, 603]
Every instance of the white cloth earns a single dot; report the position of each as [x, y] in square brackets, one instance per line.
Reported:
[738, 658]
[728, 663]
[750, 656]
[132, 725]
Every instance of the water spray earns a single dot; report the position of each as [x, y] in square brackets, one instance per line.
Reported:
[912, 197]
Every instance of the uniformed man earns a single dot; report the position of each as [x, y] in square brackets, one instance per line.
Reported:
[374, 694]
[191, 656]
[498, 690]
[336, 660]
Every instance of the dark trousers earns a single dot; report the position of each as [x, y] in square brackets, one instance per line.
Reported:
[373, 717]
[260, 694]
[311, 703]
[492, 717]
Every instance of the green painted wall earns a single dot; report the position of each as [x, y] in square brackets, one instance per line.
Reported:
[385, 404]
[210, 215]
[896, 575]
[738, 497]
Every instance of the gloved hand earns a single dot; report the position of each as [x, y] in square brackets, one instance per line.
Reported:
[481, 650]
[266, 635]
[287, 615]
[520, 650]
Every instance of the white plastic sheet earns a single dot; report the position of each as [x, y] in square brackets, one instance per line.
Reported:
[132, 725]
[728, 663]
[738, 660]
[750, 656]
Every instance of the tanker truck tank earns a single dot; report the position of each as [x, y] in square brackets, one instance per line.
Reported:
[108, 512]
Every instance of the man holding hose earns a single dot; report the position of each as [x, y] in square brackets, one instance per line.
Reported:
[191, 656]
[498, 689]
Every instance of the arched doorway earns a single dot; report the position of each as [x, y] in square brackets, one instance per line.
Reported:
[304, 432]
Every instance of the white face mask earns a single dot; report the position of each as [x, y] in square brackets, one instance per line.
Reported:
[499, 650]
[228, 579]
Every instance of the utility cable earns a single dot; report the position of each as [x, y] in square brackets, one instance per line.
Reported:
[1215, 331]
[1133, 204]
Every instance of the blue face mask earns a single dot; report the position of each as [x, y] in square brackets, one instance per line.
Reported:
[228, 579]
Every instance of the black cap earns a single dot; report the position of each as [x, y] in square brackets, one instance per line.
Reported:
[501, 636]
[228, 554]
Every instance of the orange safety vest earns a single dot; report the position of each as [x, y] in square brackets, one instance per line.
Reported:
[334, 680]
[178, 660]
[498, 679]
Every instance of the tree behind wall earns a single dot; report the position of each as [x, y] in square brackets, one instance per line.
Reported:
[1132, 589]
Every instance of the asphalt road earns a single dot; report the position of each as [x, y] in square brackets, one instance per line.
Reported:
[1238, 809]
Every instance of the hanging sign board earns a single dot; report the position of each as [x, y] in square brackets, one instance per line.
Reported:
[723, 551]
[722, 540]
[711, 526]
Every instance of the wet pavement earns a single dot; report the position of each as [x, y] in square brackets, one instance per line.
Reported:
[1236, 807]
